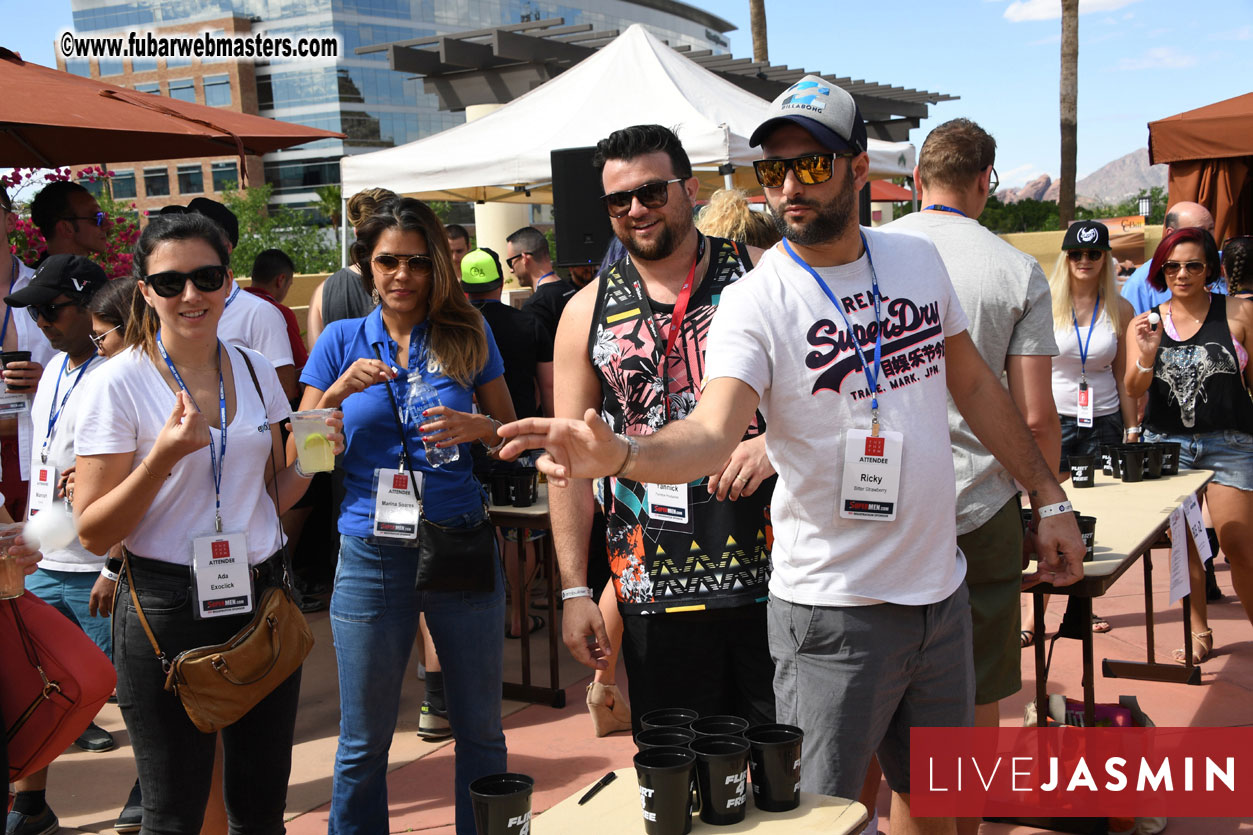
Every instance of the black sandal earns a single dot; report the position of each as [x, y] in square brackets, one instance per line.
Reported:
[537, 623]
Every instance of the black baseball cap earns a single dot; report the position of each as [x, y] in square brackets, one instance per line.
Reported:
[1086, 234]
[74, 275]
[214, 211]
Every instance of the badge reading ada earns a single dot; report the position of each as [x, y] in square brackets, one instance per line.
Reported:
[220, 575]
[872, 475]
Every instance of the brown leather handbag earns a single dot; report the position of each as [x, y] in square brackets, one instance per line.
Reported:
[219, 684]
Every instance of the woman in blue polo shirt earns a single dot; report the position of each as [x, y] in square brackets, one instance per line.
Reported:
[424, 325]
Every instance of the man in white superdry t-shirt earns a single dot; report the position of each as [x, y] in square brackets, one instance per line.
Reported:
[870, 627]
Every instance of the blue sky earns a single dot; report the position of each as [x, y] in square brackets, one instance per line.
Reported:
[1139, 60]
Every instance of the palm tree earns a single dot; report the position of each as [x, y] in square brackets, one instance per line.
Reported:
[329, 203]
[757, 23]
[1069, 110]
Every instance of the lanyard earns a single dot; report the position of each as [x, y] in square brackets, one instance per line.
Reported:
[1084, 343]
[231, 298]
[417, 360]
[940, 207]
[52, 418]
[540, 280]
[872, 375]
[8, 311]
[213, 455]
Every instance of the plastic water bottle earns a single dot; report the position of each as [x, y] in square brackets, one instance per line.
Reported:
[422, 396]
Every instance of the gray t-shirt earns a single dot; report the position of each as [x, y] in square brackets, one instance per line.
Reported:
[1006, 297]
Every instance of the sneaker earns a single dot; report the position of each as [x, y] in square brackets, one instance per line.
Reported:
[132, 817]
[45, 823]
[433, 724]
[95, 739]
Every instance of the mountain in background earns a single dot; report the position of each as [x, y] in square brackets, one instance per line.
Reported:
[1112, 183]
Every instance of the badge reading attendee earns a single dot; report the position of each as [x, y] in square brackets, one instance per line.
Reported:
[12, 405]
[1083, 411]
[667, 503]
[396, 508]
[43, 486]
[219, 568]
[872, 475]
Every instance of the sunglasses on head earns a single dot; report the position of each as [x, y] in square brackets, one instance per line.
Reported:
[390, 264]
[810, 169]
[171, 283]
[652, 195]
[1085, 254]
[50, 312]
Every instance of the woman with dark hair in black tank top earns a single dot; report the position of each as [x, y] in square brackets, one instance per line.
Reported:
[1195, 368]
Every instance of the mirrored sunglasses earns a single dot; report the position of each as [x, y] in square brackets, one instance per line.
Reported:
[810, 169]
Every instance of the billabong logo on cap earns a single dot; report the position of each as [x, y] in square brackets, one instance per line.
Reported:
[810, 85]
[1088, 235]
[798, 100]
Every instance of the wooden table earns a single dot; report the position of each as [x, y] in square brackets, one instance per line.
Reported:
[1130, 519]
[534, 518]
[615, 810]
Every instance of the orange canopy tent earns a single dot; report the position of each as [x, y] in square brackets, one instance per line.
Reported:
[1210, 152]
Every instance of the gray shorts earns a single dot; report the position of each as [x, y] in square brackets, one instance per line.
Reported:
[857, 678]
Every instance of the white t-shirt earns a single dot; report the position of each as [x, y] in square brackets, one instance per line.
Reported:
[777, 331]
[251, 322]
[54, 386]
[29, 338]
[1099, 368]
[126, 405]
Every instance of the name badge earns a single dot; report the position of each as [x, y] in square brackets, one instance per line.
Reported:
[396, 509]
[667, 503]
[43, 486]
[872, 475]
[220, 575]
[1084, 412]
[12, 405]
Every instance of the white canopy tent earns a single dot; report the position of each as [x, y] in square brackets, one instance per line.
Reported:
[636, 79]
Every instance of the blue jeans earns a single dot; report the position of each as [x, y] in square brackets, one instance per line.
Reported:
[1076, 440]
[69, 592]
[374, 620]
[1227, 452]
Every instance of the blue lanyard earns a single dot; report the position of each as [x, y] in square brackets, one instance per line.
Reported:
[8, 311]
[234, 293]
[1083, 345]
[52, 418]
[940, 207]
[872, 375]
[213, 455]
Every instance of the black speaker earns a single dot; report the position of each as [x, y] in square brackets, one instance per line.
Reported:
[580, 222]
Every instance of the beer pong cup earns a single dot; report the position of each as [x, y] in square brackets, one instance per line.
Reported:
[664, 738]
[719, 726]
[668, 717]
[666, 777]
[12, 577]
[774, 761]
[502, 488]
[1153, 459]
[1081, 470]
[721, 778]
[7, 357]
[1107, 459]
[1170, 457]
[1132, 463]
[1087, 530]
[309, 431]
[525, 486]
[502, 804]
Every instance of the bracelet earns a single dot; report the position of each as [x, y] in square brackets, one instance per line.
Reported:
[113, 564]
[577, 591]
[1142, 369]
[151, 474]
[492, 450]
[1054, 509]
[111, 576]
[633, 451]
[1134, 430]
[300, 470]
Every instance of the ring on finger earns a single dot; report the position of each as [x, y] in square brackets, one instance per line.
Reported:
[741, 478]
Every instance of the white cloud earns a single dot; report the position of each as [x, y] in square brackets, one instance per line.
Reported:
[1020, 175]
[1023, 10]
[1158, 58]
[1244, 33]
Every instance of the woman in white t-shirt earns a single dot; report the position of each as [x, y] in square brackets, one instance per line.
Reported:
[171, 480]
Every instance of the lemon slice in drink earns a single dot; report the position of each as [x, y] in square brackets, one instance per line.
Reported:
[317, 452]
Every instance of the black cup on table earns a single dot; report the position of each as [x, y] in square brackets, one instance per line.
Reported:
[501, 486]
[1153, 460]
[774, 760]
[525, 482]
[719, 726]
[1170, 457]
[7, 357]
[502, 804]
[666, 778]
[721, 778]
[668, 717]
[1131, 461]
[1107, 459]
[1082, 470]
[1115, 459]
[1087, 530]
[664, 738]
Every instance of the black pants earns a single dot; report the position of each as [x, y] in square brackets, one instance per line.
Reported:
[716, 662]
[174, 759]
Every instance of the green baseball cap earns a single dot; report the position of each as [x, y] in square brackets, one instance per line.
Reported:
[480, 272]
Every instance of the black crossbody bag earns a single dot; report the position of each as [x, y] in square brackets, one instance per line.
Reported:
[449, 559]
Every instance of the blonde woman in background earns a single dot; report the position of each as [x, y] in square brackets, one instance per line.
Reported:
[728, 215]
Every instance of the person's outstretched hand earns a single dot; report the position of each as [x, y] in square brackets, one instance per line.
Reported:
[585, 448]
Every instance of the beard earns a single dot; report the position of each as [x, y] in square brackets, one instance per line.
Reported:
[832, 218]
[672, 234]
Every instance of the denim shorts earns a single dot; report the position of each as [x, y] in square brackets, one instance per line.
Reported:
[1227, 452]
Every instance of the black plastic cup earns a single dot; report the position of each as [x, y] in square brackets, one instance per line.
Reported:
[719, 726]
[721, 778]
[1153, 460]
[1081, 470]
[7, 357]
[525, 486]
[502, 804]
[774, 761]
[1107, 459]
[668, 717]
[1087, 530]
[666, 777]
[1170, 457]
[1115, 460]
[664, 738]
[1132, 463]
[501, 488]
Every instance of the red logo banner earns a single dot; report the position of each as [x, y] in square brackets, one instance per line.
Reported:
[1081, 772]
[874, 446]
[400, 481]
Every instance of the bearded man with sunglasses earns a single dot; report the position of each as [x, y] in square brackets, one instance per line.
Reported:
[848, 340]
[690, 560]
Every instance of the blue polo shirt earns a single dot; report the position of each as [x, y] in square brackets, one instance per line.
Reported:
[371, 437]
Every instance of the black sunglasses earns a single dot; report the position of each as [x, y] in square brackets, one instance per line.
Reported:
[50, 312]
[390, 264]
[810, 169]
[171, 283]
[98, 217]
[509, 261]
[651, 196]
[1089, 254]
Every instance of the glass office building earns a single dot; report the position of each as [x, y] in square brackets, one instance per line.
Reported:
[358, 95]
